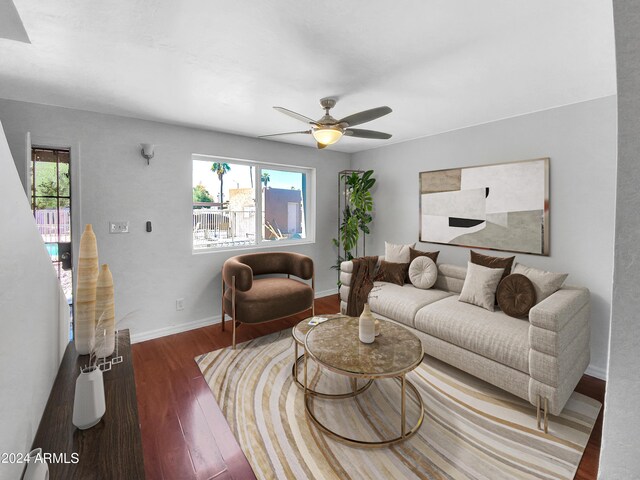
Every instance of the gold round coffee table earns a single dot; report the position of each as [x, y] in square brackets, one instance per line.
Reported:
[299, 332]
[335, 345]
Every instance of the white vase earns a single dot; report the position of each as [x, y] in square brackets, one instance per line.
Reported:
[88, 402]
[37, 469]
[367, 326]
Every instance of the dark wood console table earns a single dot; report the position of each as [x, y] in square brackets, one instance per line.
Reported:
[112, 450]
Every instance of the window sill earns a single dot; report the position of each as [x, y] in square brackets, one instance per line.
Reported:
[248, 248]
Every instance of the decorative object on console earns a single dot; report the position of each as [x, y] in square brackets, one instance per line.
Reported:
[480, 286]
[37, 468]
[392, 272]
[89, 402]
[502, 207]
[545, 283]
[85, 299]
[105, 312]
[398, 253]
[516, 295]
[423, 272]
[367, 326]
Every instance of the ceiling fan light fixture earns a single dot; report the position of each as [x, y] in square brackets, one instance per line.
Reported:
[327, 135]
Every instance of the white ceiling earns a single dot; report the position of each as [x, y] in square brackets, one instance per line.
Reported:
[221, 65]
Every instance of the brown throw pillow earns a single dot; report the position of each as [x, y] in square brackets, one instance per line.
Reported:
[392, 272]
[516, 295]
[413, 254]
[493, 262]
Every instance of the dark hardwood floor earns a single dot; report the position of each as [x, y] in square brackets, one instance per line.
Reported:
[184, 434]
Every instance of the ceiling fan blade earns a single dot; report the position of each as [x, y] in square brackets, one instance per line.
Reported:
[321, 145]
[360, 133]
[285, 133]
[366, 116]
[295, 115]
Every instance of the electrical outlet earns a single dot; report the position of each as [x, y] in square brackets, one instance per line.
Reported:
[179, 304]
[118, 227]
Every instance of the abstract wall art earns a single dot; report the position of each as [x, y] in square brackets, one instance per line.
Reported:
[501, 207]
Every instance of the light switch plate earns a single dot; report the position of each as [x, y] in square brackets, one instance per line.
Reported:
[118, 227]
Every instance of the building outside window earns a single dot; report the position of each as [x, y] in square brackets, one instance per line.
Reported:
[245, 204]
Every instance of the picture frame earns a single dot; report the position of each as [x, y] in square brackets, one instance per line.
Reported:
[500, 206]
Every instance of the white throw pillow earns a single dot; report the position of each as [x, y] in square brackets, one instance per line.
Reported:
[396, 253]
[480, 286]
[545, 283]
[423, 272]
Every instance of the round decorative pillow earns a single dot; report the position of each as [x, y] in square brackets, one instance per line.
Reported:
[423, 272]
[516, 295]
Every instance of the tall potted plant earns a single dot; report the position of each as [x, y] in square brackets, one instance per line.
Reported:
[356, 214]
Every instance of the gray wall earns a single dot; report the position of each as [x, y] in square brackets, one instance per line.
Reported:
[34, 318]
[580, 139]
[620, 457]
[152, 270]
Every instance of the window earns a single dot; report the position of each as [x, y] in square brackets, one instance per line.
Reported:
[239, 203]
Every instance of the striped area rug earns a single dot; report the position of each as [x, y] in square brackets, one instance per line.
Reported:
[471, 429]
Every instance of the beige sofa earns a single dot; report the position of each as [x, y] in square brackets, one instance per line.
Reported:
[540, 360]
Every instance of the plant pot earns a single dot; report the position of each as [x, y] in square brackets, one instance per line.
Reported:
[367, 326]
[88, 403]
[37, 469]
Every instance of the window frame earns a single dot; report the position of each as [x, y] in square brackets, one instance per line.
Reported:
[258, 166]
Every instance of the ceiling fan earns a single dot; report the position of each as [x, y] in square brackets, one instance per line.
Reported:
[328, 130]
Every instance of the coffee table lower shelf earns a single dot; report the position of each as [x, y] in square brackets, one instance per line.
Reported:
[404, 433]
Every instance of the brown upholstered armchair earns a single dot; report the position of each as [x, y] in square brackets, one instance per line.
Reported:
[248, 299]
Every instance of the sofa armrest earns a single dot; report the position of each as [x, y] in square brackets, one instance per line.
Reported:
[555, 311]
[559, 336]
[300, 265]
[346, 269]
[243, 273]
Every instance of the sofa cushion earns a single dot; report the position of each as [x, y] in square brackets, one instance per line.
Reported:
[402, 302]
[480, 286]
[392, 272]
[545, 283]
[270, 298]
[516, 295]
[493, 335]
[492, 262]
[397, 253]
[423, 272]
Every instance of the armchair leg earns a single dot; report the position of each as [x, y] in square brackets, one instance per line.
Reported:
[233, 311]
[222, 302]
[233, 335]
[313, 300]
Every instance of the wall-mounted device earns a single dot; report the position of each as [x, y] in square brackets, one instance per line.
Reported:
[149, 226]
[118, 227]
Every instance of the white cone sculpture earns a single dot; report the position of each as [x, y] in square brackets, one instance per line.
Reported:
[85, 300]
[105, 314]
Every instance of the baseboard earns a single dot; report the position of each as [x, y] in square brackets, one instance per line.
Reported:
[138, 337]
[597, 372]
